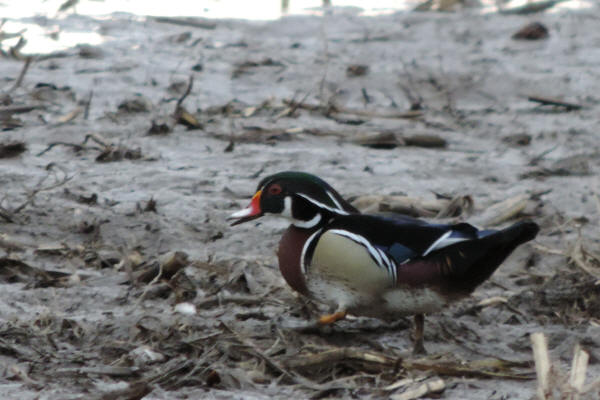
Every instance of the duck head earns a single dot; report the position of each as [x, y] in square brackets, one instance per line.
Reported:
[304, 199]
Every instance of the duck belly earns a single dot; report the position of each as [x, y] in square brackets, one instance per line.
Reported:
[343, 275]
[402, 301]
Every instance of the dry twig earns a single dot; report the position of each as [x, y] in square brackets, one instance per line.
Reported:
[547, 101]
[432, 386]
[340, 354]
[21, 75]
[39, 188]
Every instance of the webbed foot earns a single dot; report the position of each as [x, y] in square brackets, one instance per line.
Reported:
[331, 318]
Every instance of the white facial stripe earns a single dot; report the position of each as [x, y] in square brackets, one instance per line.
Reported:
[335, 201]
[382, 260]
[339, 211]
[287, 207]
[303, 262]
[287, 213]
[443, 241]
[307, 224]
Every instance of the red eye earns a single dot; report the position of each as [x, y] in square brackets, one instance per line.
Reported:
[274, 190]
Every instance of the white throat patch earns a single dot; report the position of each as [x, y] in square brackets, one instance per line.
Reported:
[287, 207]
[287, 213]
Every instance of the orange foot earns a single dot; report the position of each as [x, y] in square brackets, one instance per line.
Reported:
[331, 318]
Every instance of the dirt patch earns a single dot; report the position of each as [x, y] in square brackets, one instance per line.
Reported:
[119, 276]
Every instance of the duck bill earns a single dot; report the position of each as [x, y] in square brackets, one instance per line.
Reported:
[249, 213]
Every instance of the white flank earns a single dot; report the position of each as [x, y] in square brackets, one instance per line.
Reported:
[379, 256]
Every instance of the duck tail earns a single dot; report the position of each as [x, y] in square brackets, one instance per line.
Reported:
[489, 252]
[521, 232]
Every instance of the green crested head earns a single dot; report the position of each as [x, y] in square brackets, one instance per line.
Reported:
[303, 198]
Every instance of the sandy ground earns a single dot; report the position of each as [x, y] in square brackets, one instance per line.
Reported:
[81, 220]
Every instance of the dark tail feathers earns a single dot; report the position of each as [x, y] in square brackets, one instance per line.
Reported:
[487, 254]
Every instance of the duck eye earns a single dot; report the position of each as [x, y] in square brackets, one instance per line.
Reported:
[274, 190]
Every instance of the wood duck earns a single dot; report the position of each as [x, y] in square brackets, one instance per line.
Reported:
[372, 265]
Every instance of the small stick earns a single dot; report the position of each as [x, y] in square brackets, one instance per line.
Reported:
[578, 369]
[328, 357]
[433, 386]
[503, 211]
[541, 156]
[393, 115]
[186, 94]
[365, 95]
[17, 109]
[542, 363]
[38, 188]
[547, 101]
[253, 348]
[88, 102]
[6, 215]
[193, 22]
[152, 282]
[76, 146]
[22, 74]
[293, 106]
[531, 8]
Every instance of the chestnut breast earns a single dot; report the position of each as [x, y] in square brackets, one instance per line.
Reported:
[289, 254]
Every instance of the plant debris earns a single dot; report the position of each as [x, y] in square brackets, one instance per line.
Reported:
[123, 279]
[532, 31]
[547, 101]
[441, 207]
[11, 149]
[357, 70]
[246, 66]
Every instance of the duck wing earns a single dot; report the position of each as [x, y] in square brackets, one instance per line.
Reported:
[451, 257]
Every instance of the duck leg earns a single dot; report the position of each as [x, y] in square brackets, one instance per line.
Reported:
[419, 328]
[331, 318]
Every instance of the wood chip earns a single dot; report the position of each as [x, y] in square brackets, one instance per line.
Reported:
[531, 7]
[429, 141]
[338, 355]
[492, 301]
[502, 211]
[532, 31]
[185, 308]
[69, 116]
[12, 149]
[187, 21]
[542, 364]
[436, 385]
[555, 102]
[414, 206]
[578, 371]
[379, 140]
[355, 70]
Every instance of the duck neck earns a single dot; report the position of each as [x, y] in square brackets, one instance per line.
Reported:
[306, 213]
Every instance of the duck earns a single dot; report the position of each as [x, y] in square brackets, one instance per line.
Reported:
[380, 266]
